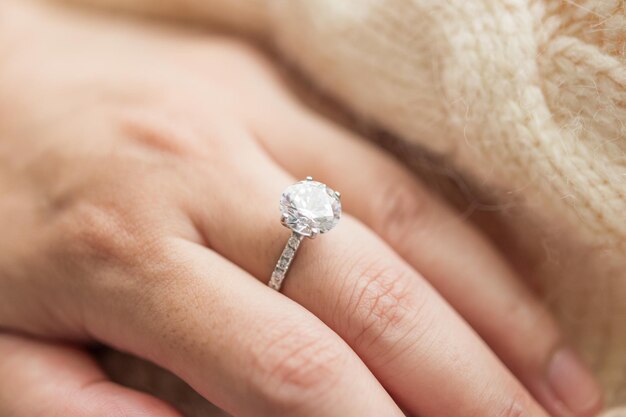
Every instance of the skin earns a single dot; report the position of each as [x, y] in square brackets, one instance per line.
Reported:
[140, 169]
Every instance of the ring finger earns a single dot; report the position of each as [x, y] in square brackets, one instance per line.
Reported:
[417, 346]
[454, 258]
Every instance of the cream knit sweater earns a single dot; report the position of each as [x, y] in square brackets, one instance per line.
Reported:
[525, 98]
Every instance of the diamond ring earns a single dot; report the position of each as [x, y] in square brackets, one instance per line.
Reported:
[308, 208]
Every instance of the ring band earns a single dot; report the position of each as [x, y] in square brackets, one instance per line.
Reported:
[308, 208]
[282, 266]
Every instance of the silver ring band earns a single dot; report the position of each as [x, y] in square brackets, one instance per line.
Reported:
[282, 266]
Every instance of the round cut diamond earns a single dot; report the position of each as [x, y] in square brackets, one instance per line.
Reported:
[310, 207]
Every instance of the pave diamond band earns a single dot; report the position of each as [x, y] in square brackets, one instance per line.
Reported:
[280, 271]
[308, 208]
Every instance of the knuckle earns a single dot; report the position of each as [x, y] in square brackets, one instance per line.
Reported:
[244, 51]
[243, 56]
[161, 130]
[179, 134]
[100, 232]
[384, 306]
[400, 210]
[297, 365]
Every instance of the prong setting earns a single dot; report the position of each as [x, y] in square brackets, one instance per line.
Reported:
[308, 208]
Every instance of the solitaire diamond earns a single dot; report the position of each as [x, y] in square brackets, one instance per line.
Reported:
[310, 207]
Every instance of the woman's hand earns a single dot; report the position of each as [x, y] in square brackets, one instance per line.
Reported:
[140, 171]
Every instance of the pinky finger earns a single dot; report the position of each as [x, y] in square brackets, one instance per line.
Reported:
[40, 379]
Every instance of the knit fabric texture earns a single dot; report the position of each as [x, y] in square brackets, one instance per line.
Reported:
[526, 98]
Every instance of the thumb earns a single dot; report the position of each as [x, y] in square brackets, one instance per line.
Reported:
[43, 379]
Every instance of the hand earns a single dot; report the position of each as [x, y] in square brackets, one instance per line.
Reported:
[140, 171]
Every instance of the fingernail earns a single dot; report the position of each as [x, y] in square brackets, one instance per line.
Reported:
[572, 382]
